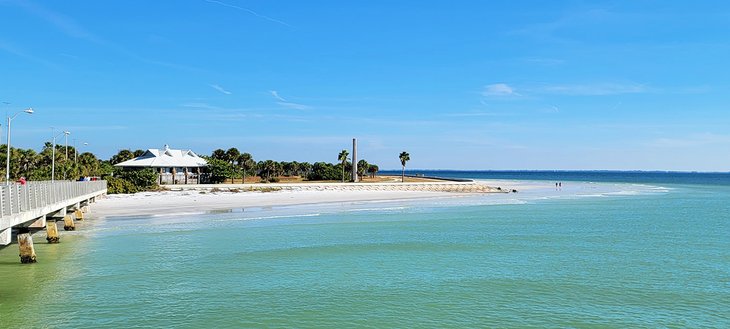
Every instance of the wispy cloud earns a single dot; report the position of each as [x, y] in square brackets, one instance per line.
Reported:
[550, 109]
[249, 11]
[220, 89]
[285, 103]
[70, 27]
[499, 90]
[276, 95]
[200, 106]
[23, 54]
[476, 114]
[66, 24]
[599, 89]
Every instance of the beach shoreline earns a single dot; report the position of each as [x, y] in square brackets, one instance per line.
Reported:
[204, 198]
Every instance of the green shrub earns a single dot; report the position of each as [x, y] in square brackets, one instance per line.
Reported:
[117, 185]
[131, 180]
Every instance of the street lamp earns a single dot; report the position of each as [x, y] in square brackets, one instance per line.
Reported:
[76, 151]
[53, 155]
[7, 159]
[66, 160]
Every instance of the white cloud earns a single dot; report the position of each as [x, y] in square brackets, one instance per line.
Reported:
[276, 95]
[219, 88]
[200, 106]
[499, 90]
[285, 103]
[249, 11]
[294, 106]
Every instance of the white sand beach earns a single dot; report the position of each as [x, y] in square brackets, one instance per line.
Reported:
[201, 198]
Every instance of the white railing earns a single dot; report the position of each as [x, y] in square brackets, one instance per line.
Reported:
[16, 198]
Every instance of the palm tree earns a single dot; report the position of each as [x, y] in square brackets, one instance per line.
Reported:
[342, 157]
[232, 155]
[304, 168]
[404, 157]
[373, 169]
[245, 161]
[362, 168]
[122, 156]
[219, 154]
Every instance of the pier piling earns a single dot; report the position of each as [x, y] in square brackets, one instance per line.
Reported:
[79, 214]
[68, 223]
[52, 232]
[27, 252]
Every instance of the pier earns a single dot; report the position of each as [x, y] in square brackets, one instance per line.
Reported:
[33, 204]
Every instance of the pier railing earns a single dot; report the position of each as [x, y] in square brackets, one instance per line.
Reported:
[16, 198]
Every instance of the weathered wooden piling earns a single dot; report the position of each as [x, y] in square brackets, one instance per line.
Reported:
[27, 252]
[52, 232]
[79, 214]
[68, 223]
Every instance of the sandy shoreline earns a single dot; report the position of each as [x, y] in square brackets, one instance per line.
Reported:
[200, 198]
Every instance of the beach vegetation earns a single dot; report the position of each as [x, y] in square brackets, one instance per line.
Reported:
[304, 169]
[121, 156]
[323, 171]
[247, 164]
[37, 165]
[219, 154]
[131, 180]
[404, 158]
[219, 170]
[115, 185]
[373, 170]
[268, 169]
[232, 155]
[362, 168]
[342, 157]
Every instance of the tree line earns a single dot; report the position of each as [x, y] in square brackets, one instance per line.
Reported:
[70, 165]
[232, 164]
[222, 165]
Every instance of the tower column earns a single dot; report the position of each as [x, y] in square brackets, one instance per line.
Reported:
[354, 160]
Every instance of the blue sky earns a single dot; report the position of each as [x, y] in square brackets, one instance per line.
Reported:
[459, 84]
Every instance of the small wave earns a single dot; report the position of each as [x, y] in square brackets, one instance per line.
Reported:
[271, 217]
[376, 209]
[602, 195]
[624, 193]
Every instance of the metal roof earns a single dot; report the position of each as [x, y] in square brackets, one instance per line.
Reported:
[163, 158]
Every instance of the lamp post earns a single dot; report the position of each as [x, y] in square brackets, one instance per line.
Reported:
[65, 169]
[76, 151]
[7, 159]
[53, 156]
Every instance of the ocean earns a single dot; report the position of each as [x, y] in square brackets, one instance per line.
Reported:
[607, 250]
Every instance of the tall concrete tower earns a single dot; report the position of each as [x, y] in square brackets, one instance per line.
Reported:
[354, 160]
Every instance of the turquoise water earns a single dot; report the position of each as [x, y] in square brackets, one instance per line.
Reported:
[591, 255]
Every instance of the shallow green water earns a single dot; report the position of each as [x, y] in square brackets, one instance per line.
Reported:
[617, 260]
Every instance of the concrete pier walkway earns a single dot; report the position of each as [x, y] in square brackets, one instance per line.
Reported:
[31, 204]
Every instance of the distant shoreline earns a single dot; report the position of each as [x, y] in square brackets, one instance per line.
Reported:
[209, 197]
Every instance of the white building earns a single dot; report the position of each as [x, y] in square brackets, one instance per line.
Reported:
[174, 166]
